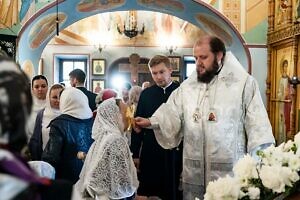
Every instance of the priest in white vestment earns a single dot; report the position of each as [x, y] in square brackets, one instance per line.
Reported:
[217, 111]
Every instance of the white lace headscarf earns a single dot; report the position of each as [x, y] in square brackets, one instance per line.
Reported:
[108, 168]
[74, 102]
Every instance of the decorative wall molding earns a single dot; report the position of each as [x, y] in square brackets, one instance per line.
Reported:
[284, 33]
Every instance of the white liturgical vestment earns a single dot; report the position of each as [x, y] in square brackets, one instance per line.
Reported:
[219, 122]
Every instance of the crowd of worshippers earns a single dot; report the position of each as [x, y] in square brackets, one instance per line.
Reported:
[68, 142]
[59, 142]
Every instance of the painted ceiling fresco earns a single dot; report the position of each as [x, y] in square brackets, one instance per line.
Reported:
[156, 24]
[36, 21]
[43, 28]
[14, 14]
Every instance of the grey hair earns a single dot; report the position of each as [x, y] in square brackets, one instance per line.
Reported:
[134, 94]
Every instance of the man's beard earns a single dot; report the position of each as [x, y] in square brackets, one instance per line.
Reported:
[209, 74]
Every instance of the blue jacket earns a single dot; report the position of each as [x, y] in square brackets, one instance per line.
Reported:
[68, 136]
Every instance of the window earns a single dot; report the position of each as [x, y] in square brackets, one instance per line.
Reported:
[67, 65]
[189, 65]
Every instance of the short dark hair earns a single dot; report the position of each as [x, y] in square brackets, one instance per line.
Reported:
[215, 43]
[78, 74]
[157, 59]
[38, 77]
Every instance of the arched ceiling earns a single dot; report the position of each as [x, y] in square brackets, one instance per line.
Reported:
[160, 30]
[41, 27]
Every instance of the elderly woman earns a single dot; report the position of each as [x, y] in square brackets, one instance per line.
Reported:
[17, 179]
[70, 135]
[134, 96]
[108, 171]
[105, 94]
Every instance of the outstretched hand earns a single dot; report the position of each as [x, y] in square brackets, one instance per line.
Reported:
[140, 123]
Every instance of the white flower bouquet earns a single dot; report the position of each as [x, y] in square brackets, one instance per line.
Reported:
[277, 173]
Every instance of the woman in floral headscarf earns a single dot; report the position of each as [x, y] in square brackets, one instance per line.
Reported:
[17, 180]
[109, 171]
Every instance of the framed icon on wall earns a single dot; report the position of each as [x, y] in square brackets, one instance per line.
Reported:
[98, 85]
[98, 66]
[175, 63]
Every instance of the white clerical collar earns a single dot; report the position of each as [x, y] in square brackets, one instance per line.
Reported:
[164, 88]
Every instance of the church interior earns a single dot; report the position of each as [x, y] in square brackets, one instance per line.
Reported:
[113, 41]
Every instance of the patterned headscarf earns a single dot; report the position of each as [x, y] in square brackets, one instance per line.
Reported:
[108, 168]
[107, 119]
[15, 105]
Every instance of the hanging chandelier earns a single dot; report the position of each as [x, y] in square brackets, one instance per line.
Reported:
[130, 28]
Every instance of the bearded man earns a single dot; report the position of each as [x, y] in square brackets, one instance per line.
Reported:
[219, 112]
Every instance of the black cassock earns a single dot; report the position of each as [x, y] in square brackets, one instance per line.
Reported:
[160, 168]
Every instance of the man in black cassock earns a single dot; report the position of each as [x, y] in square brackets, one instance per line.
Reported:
[159, 169]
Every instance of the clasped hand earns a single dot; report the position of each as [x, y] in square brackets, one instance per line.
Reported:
[140, 123]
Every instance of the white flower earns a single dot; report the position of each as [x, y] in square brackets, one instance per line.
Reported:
[289, 176]
[288, 145]
[292, 161]
[271, 179]
[298, 152]
[297, 140]
[253, 193]
[277, 177]
[278, 169]
[273, 156]
[224, 188]
[242, 194]
[245, 169]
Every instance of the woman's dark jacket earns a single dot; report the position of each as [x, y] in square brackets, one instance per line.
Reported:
[68, 136]
[36, 142]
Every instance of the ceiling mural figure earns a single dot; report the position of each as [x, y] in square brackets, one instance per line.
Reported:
[26, 4]
[9, 13]
[28, 68]
[15, 12]
[173, 5]
[44, 28]
[210, 24]
[88, 5]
